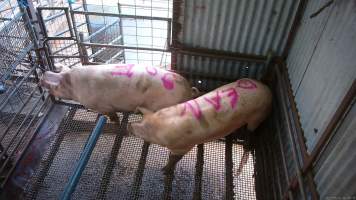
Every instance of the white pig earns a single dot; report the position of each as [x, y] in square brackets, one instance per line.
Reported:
[119, 87]
[206, 118]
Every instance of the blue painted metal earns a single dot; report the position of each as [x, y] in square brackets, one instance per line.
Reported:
[84, 158]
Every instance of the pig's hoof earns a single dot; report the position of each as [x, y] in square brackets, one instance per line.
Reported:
[167, 170]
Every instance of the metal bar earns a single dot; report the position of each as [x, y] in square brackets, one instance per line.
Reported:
[64, 56]
[169, 29]
[114, 56]
[122, 47]
[139, 173]
[105, 180]
[100, 30]
[102, 50]
[84, 158]
[64, 48]
[295, 26]
[199, 166]
[51, 8]
[299, 132]
[288, 88]
[120, 15]
[58, 38]
[220, 54]
[290, 194]
[121, 31]
[290, 135]
[54, 16]
[229, 192]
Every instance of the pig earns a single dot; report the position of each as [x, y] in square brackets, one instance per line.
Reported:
[118, 87]
[246, 102]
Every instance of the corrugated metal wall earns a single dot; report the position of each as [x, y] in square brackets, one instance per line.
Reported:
[322, 63]
[335, 174]
[244, 26]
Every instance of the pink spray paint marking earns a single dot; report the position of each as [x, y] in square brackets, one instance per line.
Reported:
[123, 70]
[193, 107]
[168, 82]
[151, 70]
[215, 101]
[246, 84]
[234, 96]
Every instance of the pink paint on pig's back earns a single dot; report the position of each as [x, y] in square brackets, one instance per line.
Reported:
[167, 82]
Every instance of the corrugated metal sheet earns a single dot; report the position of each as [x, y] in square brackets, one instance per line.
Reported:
[245, 26]
[335, 175]
[322, 64]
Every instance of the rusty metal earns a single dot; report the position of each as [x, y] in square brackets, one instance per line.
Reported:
[295, 26]
[290, 135]
[335, 120]
[220, 54]
[282, 75]
[176, 29]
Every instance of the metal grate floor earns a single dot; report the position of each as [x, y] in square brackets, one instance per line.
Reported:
[125, 167]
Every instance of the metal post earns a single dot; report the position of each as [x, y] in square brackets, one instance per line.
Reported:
[84, 158]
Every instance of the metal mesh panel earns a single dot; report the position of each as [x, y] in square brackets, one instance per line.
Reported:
[123, 166]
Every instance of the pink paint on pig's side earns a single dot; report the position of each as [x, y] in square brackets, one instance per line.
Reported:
[194, 107]
[246, 84]
[123, 70]
[168, 82]
[215, 101]
[151, 70]
[234, 96]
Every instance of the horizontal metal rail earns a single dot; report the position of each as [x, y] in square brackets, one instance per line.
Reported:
[122, 15]
[123, 47]
[84, 158]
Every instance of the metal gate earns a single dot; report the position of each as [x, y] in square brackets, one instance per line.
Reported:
[79, 34]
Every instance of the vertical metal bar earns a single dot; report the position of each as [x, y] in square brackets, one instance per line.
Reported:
[84, 158]
[284, 163]
[74, 28]
[105, 180]
[290, 135]
[85, 58]
[198, 172]
[139, 173]
[121, 30]
[229, 193]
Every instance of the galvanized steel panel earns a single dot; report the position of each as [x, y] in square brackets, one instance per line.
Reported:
[330, 72]
[335, 176]
[245, 26]
[306, 40]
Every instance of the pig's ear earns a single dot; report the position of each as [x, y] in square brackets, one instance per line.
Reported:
[59, 67]
[51, 79]
[143, 110]
[195, 92]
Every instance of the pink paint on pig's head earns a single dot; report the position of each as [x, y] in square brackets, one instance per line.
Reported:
[168, 81]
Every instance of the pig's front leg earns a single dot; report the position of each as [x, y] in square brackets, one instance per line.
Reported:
[113, 117]
[247, 148]
[171, 165]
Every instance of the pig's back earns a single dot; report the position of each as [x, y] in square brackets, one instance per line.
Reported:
[252, 107]
[105, 90]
